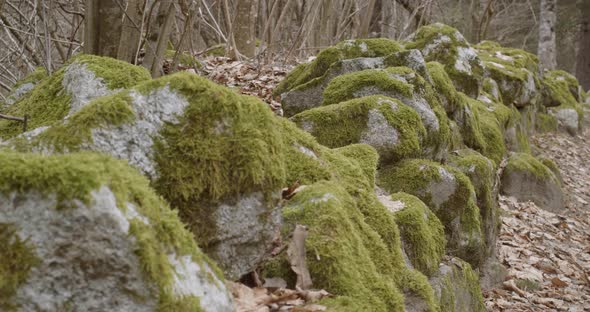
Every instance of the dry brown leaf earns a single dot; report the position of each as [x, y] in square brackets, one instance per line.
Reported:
[558, 283]
[296, 255]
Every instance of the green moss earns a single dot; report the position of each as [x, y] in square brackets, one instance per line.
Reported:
[528, 163]
[545, 123]
[443, 86]
[34, 77]
[347, 123]
[460, 289]
[560, 89]
[345, 87]
[424, 179]
[366, 156]
[48, 103]
[18, 258]
[217, 50]
[422, 233]
[74, 176]
[223, 146]
[528, 285]
[348, 49]
[442, 43]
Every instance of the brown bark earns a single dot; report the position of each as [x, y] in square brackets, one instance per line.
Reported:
[366, 17]
[159, 37]
[583, 54]
[102, 31]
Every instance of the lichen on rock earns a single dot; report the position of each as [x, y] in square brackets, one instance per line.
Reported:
[102, 238]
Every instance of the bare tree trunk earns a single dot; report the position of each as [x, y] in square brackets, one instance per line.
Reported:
[583, 56]
[130, 32]
[366, 16]
[547, 50]
[158, 38]
[244, 29]
[387, 19]
[103, 27]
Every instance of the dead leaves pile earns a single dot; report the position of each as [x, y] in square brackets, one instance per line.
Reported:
[250, 77]
[571, 155]
[548, 261]
[262, 299]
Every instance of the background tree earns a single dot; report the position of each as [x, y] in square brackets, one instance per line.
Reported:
[547, 49]
[583, 47]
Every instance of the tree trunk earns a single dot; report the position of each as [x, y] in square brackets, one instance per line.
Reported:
[547, 49]
[158, 38]
[103, 27]
[244, 29]
[130, 32]
[366, 17]
[583, 56]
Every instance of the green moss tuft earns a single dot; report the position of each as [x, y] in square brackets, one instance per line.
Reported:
[460, 290]
[444, 86]
[366, 156]
[34, 77]
[560, 89]
[18, 258]
[545, 123]
[528, 163]
[348, 49]
[422, 233]
[47, 103]
[347, 122]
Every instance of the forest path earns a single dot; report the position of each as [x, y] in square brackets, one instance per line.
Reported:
[548, 255]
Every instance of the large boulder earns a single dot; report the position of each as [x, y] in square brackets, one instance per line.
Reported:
[514, 71]
[213, 154]
[446, 45]
[70, 88]
[86, 231]
[400, 83]
[392, 128]
[456, 286]
[449, 194]
[526, 178]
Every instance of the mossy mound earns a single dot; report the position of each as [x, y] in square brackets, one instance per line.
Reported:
[446, 45]
[51, 99]
[401, 83]
[392, 128]
[514, 70]
[353, 246]
[25, 85]
[561, 94]
[444, 87]
[305, 74]
[482, 174]
[527, 178]
[422, 233]
[449, 194]
[457, 287]
[100, 197]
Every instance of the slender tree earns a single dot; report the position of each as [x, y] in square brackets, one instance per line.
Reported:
[547, 49]
[102, 30]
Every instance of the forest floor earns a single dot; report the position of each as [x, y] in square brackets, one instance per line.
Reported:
[548, 255]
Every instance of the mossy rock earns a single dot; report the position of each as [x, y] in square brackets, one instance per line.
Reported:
[87, 227]
[442, 83]
[545, 123]
[446, 45]
[483, 126]
[392, 128]
[422, 233]
[349, 49]
[527, 178]
[449, 194]
[513, 70]
[401, 83]
[481, 171]
[457, 287]
[70, 88]
[208, 150]
[561, 94]
[25, 85]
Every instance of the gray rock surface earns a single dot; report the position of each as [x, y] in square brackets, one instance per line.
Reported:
[88, 258]
[19, 92]
[568, 119]
[456, 287]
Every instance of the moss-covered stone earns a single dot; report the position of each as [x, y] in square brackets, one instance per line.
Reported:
[457, 287]
[527, 178]
[392, 128]
[482, 174]
[309, 74]
[446, 45]
[514, 70]
[545, 123]
[73, 179]
[401, 83]
[422, 233]
[449, 194]
[50, 102]
[443, 85]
